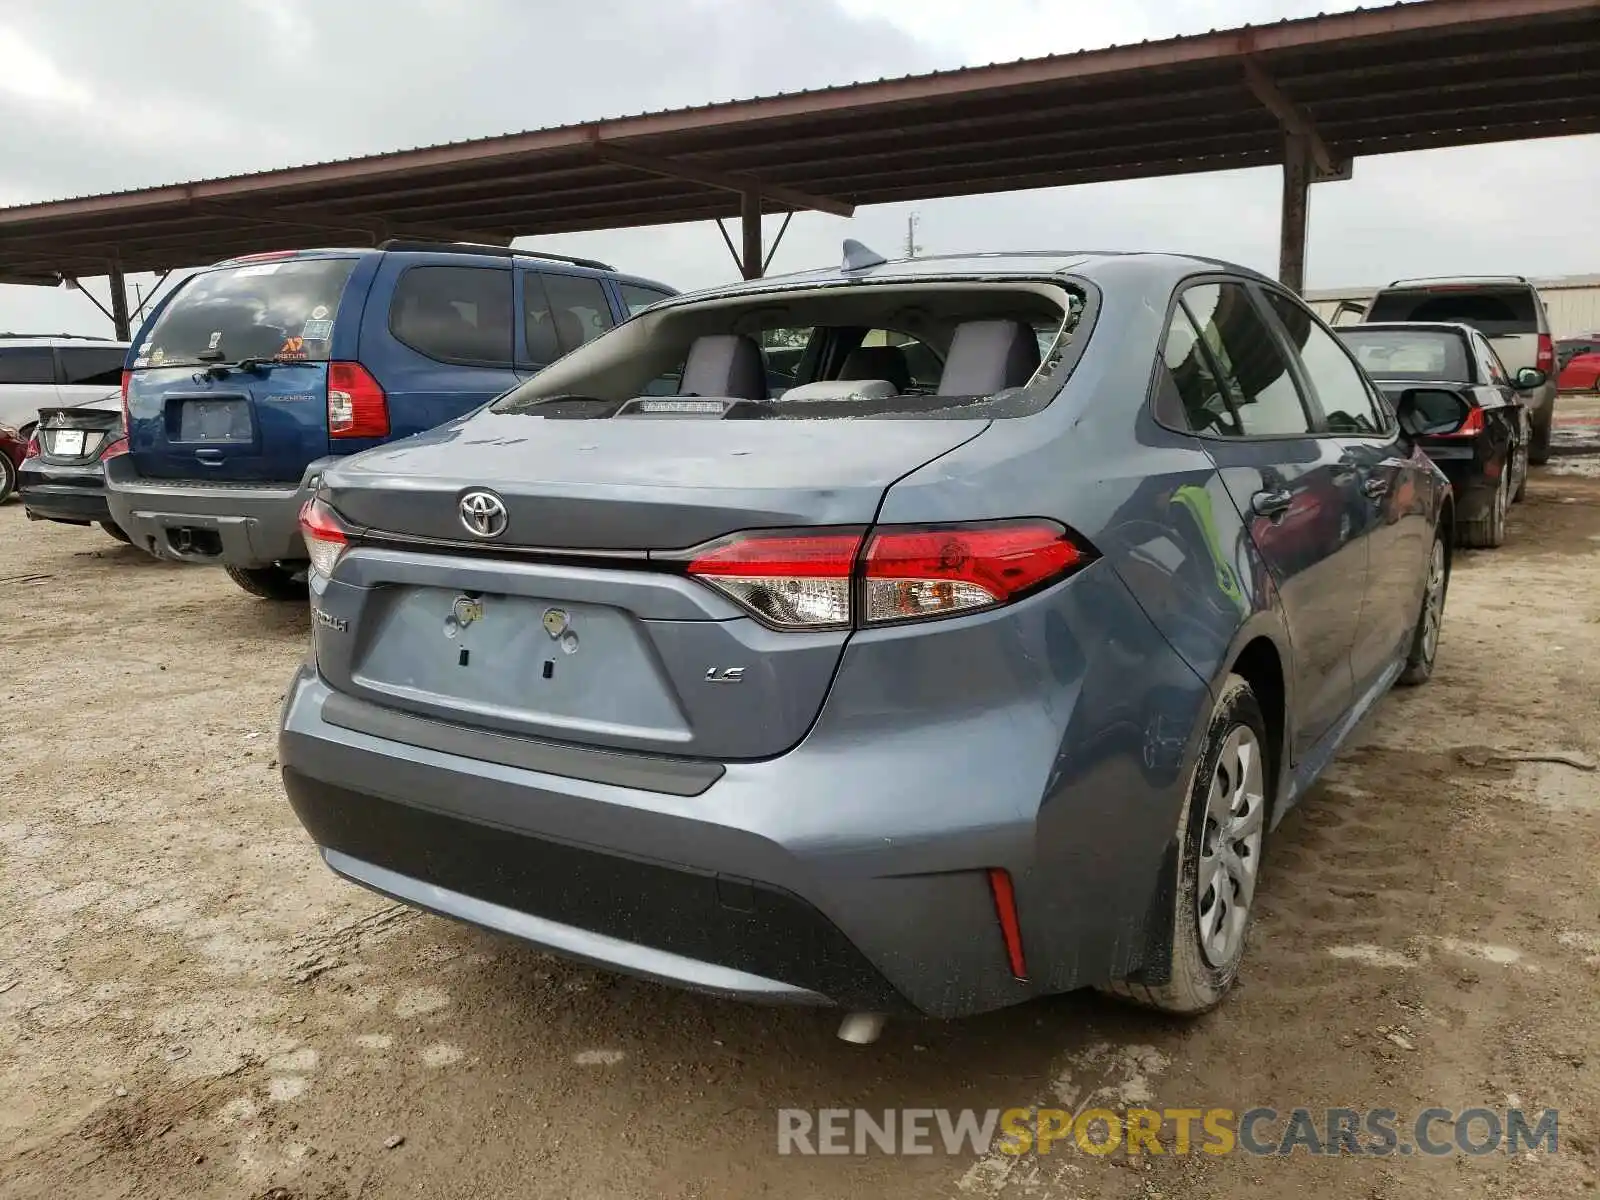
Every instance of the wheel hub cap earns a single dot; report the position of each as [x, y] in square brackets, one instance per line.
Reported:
[1433, 608]
[1230, 846]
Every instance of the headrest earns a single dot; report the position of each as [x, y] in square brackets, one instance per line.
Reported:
[989, 356]
[725, 364]
[878, 362]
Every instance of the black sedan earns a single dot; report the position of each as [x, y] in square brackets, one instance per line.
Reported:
[1442, 367]
[63, 476]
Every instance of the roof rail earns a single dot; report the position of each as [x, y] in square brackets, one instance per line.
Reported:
[499, 251]
[76, 337]
[1463, 279]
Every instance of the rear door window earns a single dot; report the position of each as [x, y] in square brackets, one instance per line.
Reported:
[1202, 398]
[92, 366]
[579, 307]
[27, 364]
[1266, 401]
[1497, 312]
[455, 314]
[268, 310]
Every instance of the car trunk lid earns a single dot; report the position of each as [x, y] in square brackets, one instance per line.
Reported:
[576, 624]
[80, 434]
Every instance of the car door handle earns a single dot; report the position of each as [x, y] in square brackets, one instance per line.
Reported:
[1375, 488]
[1271, 504]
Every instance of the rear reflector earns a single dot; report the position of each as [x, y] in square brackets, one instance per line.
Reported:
[1005, 911]
[357, 406]
[325, 536]
[803, 580]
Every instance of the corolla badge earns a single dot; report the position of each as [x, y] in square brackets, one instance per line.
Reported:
[484, 514]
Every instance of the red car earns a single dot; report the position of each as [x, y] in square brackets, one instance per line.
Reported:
[1580, 364]
[13, 449]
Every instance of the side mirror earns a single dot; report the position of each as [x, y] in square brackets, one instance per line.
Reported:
[1431, 412]
[1529, 378]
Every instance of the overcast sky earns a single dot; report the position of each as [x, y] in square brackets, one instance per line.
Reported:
[101, 95]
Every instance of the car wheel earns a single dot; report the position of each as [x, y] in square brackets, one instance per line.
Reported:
[1488, 531]
[1430, 621]
[1220, 835]
[116, 531]
[8, 478]
[1539, 450]
[269, 583]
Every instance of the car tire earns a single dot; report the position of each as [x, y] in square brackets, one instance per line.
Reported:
[1229, 799]
[1430, 618]
[1489, 531]
[1539, 449]
[8, 478]
[116, 531]
[269, 583]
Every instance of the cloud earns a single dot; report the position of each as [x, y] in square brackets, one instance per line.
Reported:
[102, 95]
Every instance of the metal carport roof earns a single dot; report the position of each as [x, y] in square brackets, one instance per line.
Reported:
[1321, 90]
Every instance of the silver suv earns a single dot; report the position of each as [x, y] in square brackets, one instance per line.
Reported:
[54, 372]
[1507, 309]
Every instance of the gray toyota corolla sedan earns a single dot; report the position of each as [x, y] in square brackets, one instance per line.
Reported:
[910, 637]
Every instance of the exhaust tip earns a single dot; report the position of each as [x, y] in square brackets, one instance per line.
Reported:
[861, 1029]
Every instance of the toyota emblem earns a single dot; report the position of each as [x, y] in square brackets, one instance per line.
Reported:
[484, 514]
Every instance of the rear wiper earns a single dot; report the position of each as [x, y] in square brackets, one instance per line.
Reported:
[218, 370]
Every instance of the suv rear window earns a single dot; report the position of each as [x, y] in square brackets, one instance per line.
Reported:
[1496, 312]
[283, 309]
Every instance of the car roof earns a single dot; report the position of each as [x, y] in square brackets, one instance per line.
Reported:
[1460, 327]
[1126, 267]
[60, 339]
[468, 250]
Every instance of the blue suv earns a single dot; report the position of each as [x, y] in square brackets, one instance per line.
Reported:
[253, 376]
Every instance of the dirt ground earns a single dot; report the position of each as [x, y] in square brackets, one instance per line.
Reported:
[191, 1005]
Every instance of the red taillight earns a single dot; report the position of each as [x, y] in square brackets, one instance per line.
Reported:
[1546, 358]
[801, 580]
[31, 450]
[1471, 427]
[127, 378]
[324, 534]
[357, 407]
[119, 446]
[1005, 911]
[791, 580]
[936, 572]
[264, 256]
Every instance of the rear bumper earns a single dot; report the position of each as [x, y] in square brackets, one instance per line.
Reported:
[200, 522]
[76, 494]
[852, 870]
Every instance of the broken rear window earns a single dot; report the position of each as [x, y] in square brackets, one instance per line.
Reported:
[925, 349]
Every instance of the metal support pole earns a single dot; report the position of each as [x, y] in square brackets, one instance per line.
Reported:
[119, 304]
[1296, 211]
[750, 221]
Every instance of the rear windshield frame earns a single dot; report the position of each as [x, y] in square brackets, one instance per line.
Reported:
[291, 344]
[1057, 361]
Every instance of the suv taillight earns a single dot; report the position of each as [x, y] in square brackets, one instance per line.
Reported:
[325, 536]
[1546, 357]
[127, 378]
[804, 580]
[357, 407]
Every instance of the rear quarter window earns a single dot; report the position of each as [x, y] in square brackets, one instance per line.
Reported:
[283, 309]
[1495, 313]
[27, 364]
